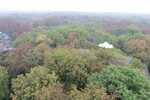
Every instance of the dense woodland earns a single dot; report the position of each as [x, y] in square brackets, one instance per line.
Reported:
[56, 56]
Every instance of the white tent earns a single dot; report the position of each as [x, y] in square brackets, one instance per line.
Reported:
[105, 45]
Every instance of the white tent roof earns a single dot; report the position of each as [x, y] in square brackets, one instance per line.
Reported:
[105, 45]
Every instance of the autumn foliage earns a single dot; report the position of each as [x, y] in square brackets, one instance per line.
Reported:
[56, 57]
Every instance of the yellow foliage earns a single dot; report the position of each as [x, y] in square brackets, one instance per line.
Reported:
[90, 93]
[41, 38]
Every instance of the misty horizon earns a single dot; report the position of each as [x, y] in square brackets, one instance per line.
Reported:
[115, 6]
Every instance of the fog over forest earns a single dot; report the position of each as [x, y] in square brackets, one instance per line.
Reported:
[74, 55]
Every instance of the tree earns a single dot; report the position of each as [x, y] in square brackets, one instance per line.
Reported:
[51, 93]
[3, 57]
[119, 32]
[4, 93]
[24, 87]
[147, 39]
[109, 38]
[144, 57]
[57, 56]
[72, 39]
[75, 67]
[59, 53]
[88, 45]
[14, 27]
[32, 58]
[122, 39]
[104, 55]
[41, 38]
[136, 63]
[17, 62]
[64, 30]
[45, 52]
[95, 61]
[81, 33]
[137, 48]
[72, 71]
[90, 93]
[28, 37]
[128, 83]
[132, 30]
[58, 39]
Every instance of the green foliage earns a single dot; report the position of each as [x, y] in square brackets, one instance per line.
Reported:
[93, 61]
[4, 91]
[24, 87]
[44, 51]
[136, 63]
[92, 38]
[28, 38]
[3, 57]
[120, 31]
[144, 57]
[128, 83]
[33, 58]
[75, 67]
[57, 35]
[81, 33]
[42, 47]
[109, 38]
[119, 41]
[57, 38]
[92, 27]
[88, 45]
[39, 28]
[90, 93]
[60, 52]
[68, 45]
[132, 30]
[138, 36]
[122, 39]
[72, 71]
[104, 55]
[64, 30]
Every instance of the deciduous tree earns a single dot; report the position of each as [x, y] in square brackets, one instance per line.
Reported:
[24, 87]
[4, 93]
[127, 82]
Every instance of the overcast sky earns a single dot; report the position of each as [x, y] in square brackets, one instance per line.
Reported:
[130, 6]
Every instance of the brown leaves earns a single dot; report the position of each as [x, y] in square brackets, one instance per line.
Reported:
[51, 93]
[135, 47]
[90, 93]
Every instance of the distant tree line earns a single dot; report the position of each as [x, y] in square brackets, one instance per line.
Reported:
[58, 58]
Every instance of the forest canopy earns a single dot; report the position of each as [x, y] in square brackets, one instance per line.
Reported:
[55, 56]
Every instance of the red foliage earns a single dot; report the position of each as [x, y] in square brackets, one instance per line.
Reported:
[13, 27]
